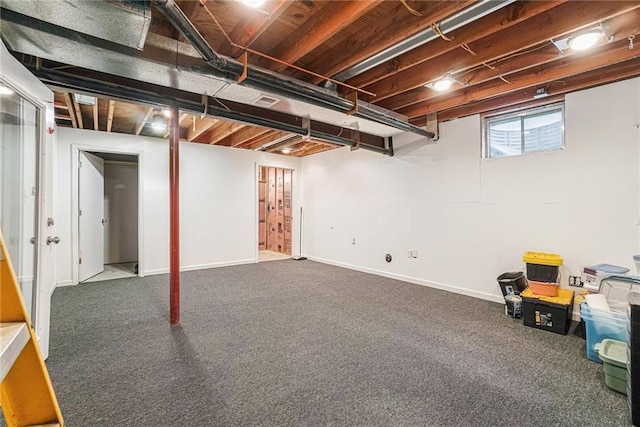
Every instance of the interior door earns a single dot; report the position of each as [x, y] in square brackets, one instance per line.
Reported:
[91, 215]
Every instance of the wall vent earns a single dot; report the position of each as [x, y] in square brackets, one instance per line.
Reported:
[265, 101]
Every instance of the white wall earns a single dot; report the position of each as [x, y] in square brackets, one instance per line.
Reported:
[121, 212]
[218, 199]
[471, 219]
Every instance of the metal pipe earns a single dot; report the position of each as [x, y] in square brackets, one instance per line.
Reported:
[174, 220]
[464, 17]
[265, 80]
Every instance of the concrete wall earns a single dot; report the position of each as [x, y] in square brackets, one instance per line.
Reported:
[471, 219]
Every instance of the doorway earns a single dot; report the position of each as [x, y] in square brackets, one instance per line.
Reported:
[275, 189]
[108, 193]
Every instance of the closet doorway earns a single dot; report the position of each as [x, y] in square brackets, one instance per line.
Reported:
[108, 216]
[275, 189]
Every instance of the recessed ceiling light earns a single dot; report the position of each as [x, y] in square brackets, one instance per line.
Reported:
[585, 40]
[443, 84]
[253, 3]
[4, 90]
[166, 112]
[158, 123]
[286, 150]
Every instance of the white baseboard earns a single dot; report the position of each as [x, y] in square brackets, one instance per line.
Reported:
[201, 266]
[59, 284]
[414, 280]
[63, 283]
[442, 286]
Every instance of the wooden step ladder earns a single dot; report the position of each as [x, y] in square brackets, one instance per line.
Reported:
[26, 393]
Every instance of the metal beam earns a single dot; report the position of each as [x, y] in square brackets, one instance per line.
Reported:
[136, 91]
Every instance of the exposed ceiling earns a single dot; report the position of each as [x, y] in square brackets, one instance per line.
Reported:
[499, 54]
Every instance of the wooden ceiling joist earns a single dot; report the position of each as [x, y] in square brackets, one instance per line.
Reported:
[95, 115]
[396, 27]
[110, 109]
[263, 140]
[605, 56]
[556, 91]
[620, 27]
[249, 28]
[142, 122]
[530, 33]
[242, 135]
[499, 20]
[330, 20]
[220, 131]
[70, 107]
[202, 124]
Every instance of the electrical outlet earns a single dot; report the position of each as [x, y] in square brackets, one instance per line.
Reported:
[575, 281]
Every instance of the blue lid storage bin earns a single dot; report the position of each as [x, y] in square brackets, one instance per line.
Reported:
[601, 325]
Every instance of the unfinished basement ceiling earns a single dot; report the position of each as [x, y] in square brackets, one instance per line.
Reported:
[498, 54]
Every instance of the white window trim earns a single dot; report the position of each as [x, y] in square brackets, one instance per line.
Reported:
[489, 118]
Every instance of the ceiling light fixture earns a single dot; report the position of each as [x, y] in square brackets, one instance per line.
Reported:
[286, 150]
[166, 112]
[4, 90]
[540, 92]
[586, 39]
[444, 83]
[158, 123]
[85, 99]
[253, 3]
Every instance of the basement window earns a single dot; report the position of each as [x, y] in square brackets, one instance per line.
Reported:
[524, 131]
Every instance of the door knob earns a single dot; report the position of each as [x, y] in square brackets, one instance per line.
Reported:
[55, 240]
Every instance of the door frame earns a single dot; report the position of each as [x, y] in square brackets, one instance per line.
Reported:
[295, 206]
[75, 235]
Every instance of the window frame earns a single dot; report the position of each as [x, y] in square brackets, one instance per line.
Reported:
[522, 114]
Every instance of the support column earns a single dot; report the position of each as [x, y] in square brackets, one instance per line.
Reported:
[174, 220]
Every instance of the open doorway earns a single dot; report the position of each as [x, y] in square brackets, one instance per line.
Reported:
[275, 189]
[108, 216]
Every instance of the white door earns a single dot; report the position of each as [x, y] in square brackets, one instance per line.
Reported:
[27, 143]
[91, 215]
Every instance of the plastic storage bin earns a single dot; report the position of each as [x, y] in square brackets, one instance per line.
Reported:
[614, 355]
[512, 282]
[548, 313]
[592, 276]
[601, 325]
[542, 267]
[543, 288]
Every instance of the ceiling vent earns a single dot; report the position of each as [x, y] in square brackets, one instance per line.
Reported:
[265, 101]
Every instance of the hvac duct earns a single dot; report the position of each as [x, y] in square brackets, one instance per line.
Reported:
[264, 80]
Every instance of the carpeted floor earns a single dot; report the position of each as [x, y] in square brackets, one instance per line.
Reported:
[302, 343]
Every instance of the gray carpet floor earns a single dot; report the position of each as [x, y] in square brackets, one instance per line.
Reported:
[302, 343]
